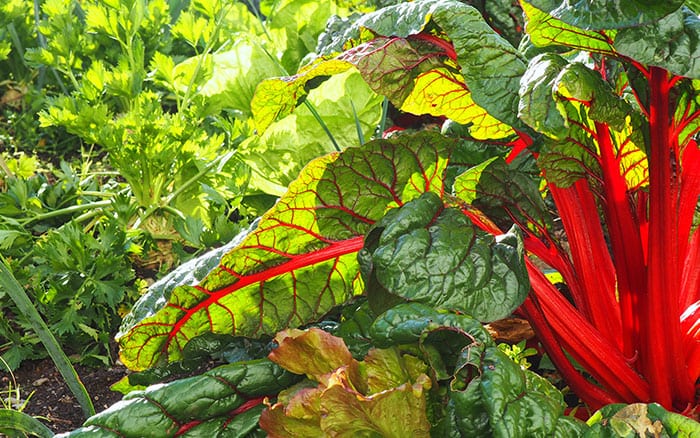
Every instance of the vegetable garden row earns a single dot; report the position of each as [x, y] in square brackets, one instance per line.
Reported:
[380, 182]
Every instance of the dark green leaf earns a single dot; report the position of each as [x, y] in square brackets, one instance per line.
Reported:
[435, 256]
[672, 43]
[204, 403]
[592, 14]
[505, 400]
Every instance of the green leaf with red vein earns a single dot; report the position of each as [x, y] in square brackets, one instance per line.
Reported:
[421, 73]
[606, 14]
[300, 262]
[415, 75]
[494, 186]
[545, 30]
[225, 401]
[565, 101]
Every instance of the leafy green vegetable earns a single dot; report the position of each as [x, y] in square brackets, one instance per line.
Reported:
[209, 404]
[384, 395]
[505, 400]
[639, 419]
[435, 256]
[308, 242]
[606, 15]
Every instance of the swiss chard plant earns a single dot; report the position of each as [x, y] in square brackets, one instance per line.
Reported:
[573, 154]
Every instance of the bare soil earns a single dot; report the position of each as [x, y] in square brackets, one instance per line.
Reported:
[51, 400]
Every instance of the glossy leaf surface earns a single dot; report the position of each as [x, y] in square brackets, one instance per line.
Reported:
[301, 260]
[222, 402]
[606, 15]
[436, 256]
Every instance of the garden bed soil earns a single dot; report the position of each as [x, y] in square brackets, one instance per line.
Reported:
[51, 400]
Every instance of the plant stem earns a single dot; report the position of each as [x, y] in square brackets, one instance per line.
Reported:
[662, 356]
[67, 210]
[25, 306]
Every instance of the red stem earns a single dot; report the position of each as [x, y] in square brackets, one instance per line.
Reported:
[591, 259]
[623, 229]
[592, 395]
[579, 338]
[662, 357]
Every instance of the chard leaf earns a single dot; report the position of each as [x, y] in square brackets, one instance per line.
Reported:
[496, 185]
[222, 402]
[545, 30]
[436, 256]
[421, 73]
[409, 323]
[606, 14]
[505, 400]
[670, 43]
[565, 101]
[300, 262]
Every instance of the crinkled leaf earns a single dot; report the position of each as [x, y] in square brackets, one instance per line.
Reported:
[279, 153]
[409, 323]
[313, 352]
[496, 185]
[387, 399]
[508, 401]
[606, 14]
[670, 43]
[208, 402]
[565, 101]
[473, 40]
[300, 262]
[397, 64]
[436, 256]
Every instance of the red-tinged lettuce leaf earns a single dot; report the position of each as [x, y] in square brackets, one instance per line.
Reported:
[565, 101]
[398, 61]
[640, 419]
[300, 262]
[312, 352]
[606, 14]
[505, 400]
[435, 256]
[223, 402]
[387, 399]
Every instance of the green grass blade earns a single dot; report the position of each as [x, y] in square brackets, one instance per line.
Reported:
[24, 304]
[12, 422]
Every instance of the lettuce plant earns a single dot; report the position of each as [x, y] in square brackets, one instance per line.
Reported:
[581, 143]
